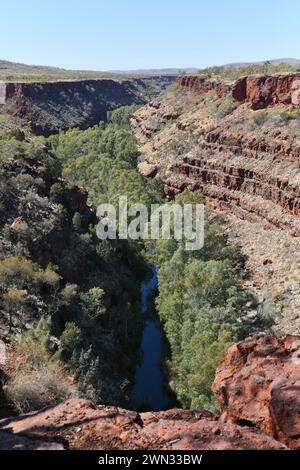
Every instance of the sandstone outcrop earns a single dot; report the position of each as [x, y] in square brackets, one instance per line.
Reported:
[261, 92]
[258, 385]
[77, 424]
[201, 85]
[296, 93]
[147, 170]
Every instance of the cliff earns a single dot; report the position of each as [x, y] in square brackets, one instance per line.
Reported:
[52, 106]
[259, 91]
[256, 387]
[206, 135]
[53, 266]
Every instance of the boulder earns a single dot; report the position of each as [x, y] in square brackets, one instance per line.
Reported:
[296, 93]
[258, 385]
[147, 170]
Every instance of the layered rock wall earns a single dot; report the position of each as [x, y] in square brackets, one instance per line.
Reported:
[53, 106]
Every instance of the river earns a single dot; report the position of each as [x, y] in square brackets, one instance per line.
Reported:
[149, 391]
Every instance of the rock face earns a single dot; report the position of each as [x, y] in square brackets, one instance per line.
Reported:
[247, 164]
[259, 91]
[258, 385]
[53, 106]
[296, 93]
[201, 85]
[76, 424]
[264, 91]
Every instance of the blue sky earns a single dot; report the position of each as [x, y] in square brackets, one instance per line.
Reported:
[129, 34]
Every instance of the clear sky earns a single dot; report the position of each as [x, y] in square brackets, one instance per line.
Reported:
[129, 34]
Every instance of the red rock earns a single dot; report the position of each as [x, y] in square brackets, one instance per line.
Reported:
[201, 85]
[147, 170]
[258, 384]
[296, 93]
[10, 441]
[264, 91]
[83, 426]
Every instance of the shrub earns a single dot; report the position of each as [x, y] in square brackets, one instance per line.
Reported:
[87, 374]
[12, 302]
[260, 117]
[286, 116]
[77, 222]
[225, 107]
[57, 193]
[34, 343]
[70, 337]
[69, 294]
[92, 302]
[32, 390]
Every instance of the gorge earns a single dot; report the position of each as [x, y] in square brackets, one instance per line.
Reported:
[80, 310]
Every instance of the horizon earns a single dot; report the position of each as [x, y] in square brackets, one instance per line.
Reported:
[192, 67]
[131, 36]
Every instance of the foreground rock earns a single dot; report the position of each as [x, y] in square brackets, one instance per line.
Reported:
[258, 385]
[76, 424]
[10, 441]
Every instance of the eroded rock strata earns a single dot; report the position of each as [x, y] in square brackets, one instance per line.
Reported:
[53, 106]
[247, 163]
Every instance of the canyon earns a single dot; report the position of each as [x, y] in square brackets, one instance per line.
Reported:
[48, 107]
[246, 163]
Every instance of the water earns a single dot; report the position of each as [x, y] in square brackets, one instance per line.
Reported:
[148, 391]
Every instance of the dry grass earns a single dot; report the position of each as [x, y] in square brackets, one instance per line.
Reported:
[31, 390]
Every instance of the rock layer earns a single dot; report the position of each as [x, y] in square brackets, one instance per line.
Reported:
[53, 106]
[264, 91]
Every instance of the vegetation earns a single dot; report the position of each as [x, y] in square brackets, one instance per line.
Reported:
[225, 107]
[233, 73]
[103, 159]
[200, 303]
[79, 313]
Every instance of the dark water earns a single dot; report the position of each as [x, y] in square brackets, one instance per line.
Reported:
[148, 391]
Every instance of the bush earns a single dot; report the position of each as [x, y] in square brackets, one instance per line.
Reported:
[57, 193]
[33, 344]
[32, 390]
[225, 107]
[286, 116]
[92, 303]
[121, 116]
[260, 117]
[70, 337]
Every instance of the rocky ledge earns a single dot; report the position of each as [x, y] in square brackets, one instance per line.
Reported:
[257, 387]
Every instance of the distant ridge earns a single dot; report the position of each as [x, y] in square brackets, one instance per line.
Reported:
[13, 69]
[290, 61]
[167, 71]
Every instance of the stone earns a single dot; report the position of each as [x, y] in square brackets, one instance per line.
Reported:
[107, 428]
[296, 93]
[147, 170]
[258, 384]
